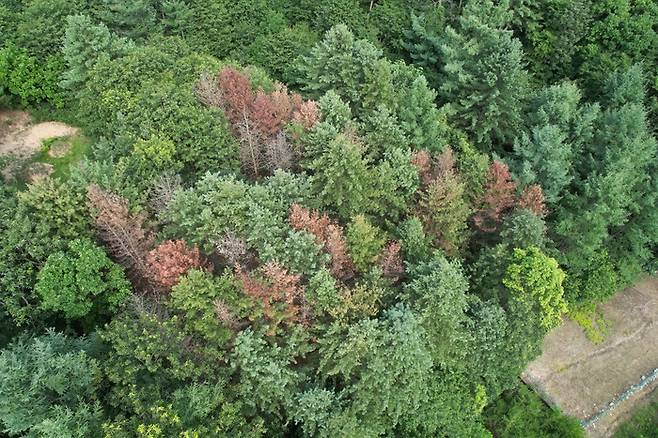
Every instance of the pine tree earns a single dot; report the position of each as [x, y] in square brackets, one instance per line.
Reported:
[84, 42]
[482, 76]
[498, 198]
[343, 178]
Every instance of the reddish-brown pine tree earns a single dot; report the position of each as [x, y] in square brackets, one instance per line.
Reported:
[498, 197]
[264, 115]
[327, 234]
[391, 262]
[122, 232]
[303, 219]
[307, 114]
[532, 198]
[342, 266]
[171, 259]
[236, 95]
[423, 162]
[277, 285]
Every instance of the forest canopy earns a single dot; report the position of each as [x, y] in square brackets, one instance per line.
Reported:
[338, 218]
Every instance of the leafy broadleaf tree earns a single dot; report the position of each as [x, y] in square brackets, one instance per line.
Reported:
[81, 280]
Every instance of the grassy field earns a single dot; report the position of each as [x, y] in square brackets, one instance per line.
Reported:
[78, 146]
[643, 423]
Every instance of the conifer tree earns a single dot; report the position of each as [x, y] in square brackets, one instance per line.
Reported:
[482, 76]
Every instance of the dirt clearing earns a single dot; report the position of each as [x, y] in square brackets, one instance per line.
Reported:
[19, 137]
[601, 384]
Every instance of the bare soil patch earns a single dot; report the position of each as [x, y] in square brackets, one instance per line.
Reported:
[19, 137]
[582, 379]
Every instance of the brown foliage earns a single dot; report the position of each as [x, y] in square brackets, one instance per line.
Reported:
[429, 168]
[122, 232]
[532, 198]
[236, 95]
[271, 112]
[251, 153]
[208, 92]
[310, 221]
[391, 262]
[442, 204]
[327, 234]
[224, 314]
[257, 119]
[423, 162]
[445, 163]
[498, 197]
[277, 286]
[171, 259]
[307, 114]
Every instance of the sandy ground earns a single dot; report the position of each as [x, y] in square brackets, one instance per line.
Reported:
[19, 137]
[582, 379]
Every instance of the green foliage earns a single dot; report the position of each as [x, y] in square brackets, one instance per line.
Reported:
[81, 280]
[133, 19]
[559, 126]
[384, 335]
[354, 69]
[198, 298]
[595, 283]
[642, 424]
[552, 33]
[29, 79]
[622, 33]
[149, 357]
[339, 62]
[267, 50]
[42, 24]
[135, 96]
[535, 280]
[84, 42]
[49, 387]
[42, 221]
[444, 211]
[437, 289]
[388, 366]
[8, 21]
[343, 178]
[195, 410]
[415, 243]
[521, 412]
[322, 292]
[266, 380]
[482, 76]
[611, 185]
[149, 159]
[523, 229]
[365, 242]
